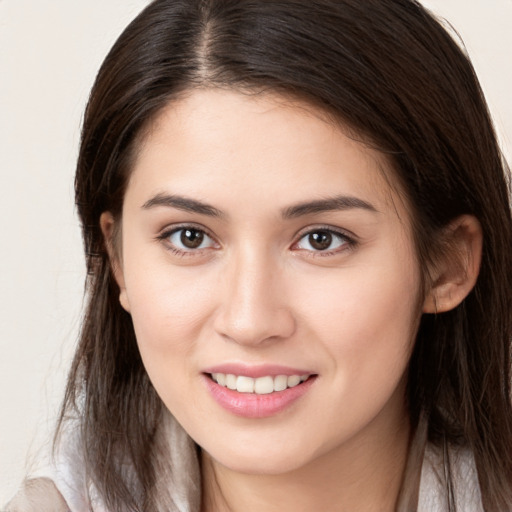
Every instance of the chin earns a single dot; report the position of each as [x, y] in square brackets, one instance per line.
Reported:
[259, 460]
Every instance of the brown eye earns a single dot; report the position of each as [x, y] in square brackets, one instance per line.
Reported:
[320, 240]
[191, 238]
[188, 239]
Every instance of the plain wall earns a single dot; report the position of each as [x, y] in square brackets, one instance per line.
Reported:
[50, 51]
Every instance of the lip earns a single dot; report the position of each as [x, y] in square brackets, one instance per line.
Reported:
[251, 405]
[256, 371]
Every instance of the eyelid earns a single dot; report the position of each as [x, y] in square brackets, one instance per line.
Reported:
[350, 238]
[326, 227]
[166, 232]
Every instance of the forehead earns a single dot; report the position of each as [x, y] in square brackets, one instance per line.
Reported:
[218, 143]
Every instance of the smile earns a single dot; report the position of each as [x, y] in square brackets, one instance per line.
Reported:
[259, 386]
[263, 395]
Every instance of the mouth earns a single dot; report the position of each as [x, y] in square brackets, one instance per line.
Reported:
[257, 391]
[264, 385]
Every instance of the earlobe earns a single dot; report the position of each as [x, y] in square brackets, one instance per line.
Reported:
[457, 270]
[107, 225]
[123, 300]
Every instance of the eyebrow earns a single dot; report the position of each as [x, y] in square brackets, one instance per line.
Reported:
[187, 204]
[336, 203]
[183, 203]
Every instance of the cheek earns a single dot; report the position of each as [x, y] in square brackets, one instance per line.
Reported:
[168, 305]
[364, 321]
[366, 317]
[168, 310]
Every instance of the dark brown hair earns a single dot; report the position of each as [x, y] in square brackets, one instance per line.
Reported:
[391, 73]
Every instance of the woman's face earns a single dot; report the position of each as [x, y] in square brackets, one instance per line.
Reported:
[261, 246]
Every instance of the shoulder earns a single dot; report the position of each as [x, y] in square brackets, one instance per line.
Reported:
[56, 482]
[38, 495]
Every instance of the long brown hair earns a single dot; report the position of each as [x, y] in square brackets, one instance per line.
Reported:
[389, 71]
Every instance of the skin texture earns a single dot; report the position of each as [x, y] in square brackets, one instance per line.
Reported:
[257, 292]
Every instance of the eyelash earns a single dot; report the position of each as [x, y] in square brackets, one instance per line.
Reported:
[347, 242]
[165, 235]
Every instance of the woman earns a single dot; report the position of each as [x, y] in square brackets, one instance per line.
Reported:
[297, 224]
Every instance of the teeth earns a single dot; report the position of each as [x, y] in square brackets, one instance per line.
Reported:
[280, 383]
[244, 384]
[293, 380]
[231, 381]
[261, 385]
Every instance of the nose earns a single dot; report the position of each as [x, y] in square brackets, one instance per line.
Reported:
[254, 307]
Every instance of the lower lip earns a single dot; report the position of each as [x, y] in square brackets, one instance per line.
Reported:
[251, 405]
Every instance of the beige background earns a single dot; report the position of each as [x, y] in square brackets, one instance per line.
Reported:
[50, 51]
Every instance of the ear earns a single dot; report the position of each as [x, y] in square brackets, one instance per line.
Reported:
[108, 228]
[456, 271]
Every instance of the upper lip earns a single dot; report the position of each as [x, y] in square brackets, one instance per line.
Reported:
[256, 371]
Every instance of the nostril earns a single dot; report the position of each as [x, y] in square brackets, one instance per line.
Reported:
[250, 327]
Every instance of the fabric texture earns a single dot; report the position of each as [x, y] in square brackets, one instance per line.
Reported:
[466, 491]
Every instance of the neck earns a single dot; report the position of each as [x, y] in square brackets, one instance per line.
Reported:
[365, 473]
